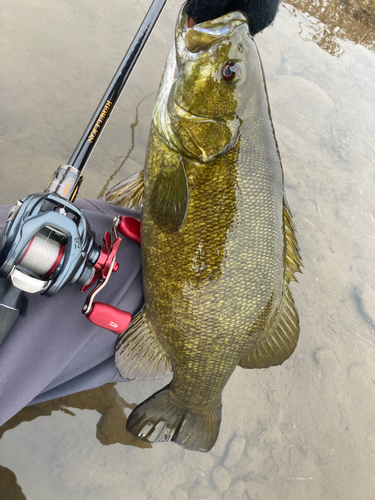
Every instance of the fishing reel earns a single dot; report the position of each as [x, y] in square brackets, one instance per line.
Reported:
[47, 243]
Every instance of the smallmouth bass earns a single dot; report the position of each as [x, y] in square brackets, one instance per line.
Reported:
[218, 243]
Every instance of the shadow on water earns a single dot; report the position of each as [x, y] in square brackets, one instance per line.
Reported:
[10, 489]
[111, 427]
[352, 20]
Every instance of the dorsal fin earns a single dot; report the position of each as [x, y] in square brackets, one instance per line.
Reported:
[280, 336]
[278, 340]
[293, 257]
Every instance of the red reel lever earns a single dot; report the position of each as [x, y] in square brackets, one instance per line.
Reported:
[99, 313]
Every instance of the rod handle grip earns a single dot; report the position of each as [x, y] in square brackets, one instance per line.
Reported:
[11, 300]
[7, 318]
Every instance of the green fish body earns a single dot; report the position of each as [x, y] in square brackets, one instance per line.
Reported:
[218, 242]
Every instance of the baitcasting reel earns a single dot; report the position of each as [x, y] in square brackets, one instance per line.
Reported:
[48, 242]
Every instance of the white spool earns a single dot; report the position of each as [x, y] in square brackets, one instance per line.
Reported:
[41, 255]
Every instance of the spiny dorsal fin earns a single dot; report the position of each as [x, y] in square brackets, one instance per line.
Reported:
[139, 354]
[280, 336]
[170, 197]
[127, 193]
[292, 255]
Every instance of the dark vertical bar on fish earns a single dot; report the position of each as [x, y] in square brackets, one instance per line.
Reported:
[97, 123]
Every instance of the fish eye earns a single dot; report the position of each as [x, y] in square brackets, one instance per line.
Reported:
[229, 72]
[232, 71]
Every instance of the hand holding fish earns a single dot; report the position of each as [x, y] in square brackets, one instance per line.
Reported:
[260, 13]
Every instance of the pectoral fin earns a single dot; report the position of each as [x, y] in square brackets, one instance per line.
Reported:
[139, 354]
[127, 193]
[170, 197]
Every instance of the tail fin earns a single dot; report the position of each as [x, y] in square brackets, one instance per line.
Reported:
[160, 419]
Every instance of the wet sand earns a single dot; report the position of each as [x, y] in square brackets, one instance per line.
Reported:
[304, 430]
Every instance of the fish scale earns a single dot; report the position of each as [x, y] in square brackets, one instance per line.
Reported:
[218, 243]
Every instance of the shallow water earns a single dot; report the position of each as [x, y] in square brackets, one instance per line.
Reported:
[304, 430]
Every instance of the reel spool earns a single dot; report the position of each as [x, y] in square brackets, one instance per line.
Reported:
[43, 254]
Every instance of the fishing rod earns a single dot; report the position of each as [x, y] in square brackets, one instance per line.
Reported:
[95, 127]
[47, 241]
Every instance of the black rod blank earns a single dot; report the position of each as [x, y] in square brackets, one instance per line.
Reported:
[84, 148]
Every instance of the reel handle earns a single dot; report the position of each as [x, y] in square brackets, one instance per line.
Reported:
[99, 313]
[109, 317]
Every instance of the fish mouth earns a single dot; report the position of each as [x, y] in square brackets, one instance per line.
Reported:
[195, 38]
[193, 41]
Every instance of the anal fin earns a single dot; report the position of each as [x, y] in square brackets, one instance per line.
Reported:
[139, 354]
[127, 193]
